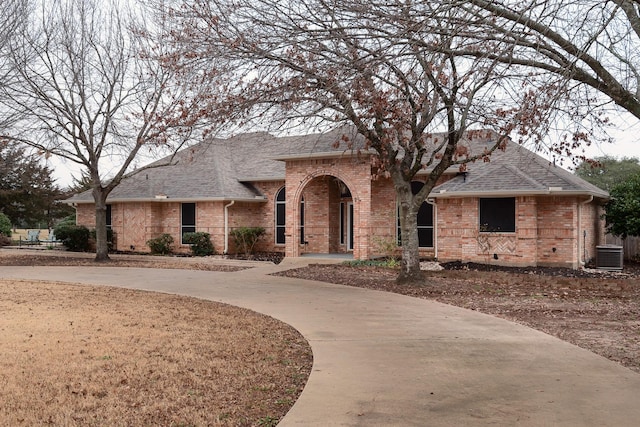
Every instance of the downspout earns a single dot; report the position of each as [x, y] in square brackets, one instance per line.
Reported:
[582, 257]
[432, 202]
[226, 226]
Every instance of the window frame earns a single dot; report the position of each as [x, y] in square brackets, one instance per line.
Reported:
[343, 220]
[503, 223]
[302, 241]
[184, 227]
[109, 218]
[416, 186]
[280, 223]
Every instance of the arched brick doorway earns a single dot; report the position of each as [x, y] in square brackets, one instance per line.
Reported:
[323, 219]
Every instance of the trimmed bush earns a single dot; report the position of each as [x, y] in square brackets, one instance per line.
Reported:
[5, 225]
[246, 238]
[74, 237]
[200, 242]
[161, 245]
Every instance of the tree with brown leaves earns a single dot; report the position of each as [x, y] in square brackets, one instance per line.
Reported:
[385, 69]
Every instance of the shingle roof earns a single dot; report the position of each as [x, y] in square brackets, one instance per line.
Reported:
[516, 170]
[219, 169]
[224, 169]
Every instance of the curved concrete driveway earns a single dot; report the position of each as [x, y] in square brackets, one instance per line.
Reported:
[383, 359]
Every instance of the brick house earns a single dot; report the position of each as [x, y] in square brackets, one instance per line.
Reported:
[311, 197]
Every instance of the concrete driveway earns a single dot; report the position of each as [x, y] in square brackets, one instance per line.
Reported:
[382, 359]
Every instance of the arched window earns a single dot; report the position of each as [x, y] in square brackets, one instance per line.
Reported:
[425, 220]
[280, 216]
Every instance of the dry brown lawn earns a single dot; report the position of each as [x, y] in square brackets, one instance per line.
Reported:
[75, 355]
[81, 355]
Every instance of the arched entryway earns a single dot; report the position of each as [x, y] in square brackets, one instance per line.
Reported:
[325, 217]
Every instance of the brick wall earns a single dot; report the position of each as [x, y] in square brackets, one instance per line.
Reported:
[86, 215]
[557, 231]
[592, 230]
[546, 232]
[383, 217]
[314, 179]
[549, 230]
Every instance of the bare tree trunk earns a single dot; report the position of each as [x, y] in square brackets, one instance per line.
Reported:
[410, 267]
[102, 247]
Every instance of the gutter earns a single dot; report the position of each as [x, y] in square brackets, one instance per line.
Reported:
[553, 191]
[256, 199]
[226, 227]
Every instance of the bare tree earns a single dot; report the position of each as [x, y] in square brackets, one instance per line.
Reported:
[383, 68]
[13, 14]
[594, 42]
[85, 87]
[13, 17]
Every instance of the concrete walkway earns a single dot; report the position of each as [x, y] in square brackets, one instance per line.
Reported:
[382, 359]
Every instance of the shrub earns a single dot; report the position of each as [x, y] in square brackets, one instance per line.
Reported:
[386, 246]
[161, 245]
[246, 238]
[5, 225]
[67, 221]
[110, 237]
[74, 237]
[200, 242]
[5, 240]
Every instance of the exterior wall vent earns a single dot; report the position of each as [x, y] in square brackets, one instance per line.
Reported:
[609, 257]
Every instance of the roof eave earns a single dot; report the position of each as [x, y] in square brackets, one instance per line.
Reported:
[325, 155]
[257, 199]
[261, 179]
[512, 193]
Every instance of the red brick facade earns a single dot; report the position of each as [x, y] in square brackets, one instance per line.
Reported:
[550, 230]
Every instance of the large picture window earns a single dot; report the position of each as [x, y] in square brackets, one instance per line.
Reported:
[188, 219]
[280, 216]
[498, 215]
[425, 220]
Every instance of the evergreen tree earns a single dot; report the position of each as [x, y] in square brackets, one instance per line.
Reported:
[28, 193]
[608, 172]
[623, 210]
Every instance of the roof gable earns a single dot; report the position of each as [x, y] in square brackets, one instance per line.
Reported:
[220, 169]
[515, 170]
[224, 169]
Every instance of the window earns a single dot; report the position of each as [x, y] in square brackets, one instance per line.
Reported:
[342, 221]
[425, 220]
[108, 217]
[280, 216]
[498, 215]
[302, 242]
[188, 216]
